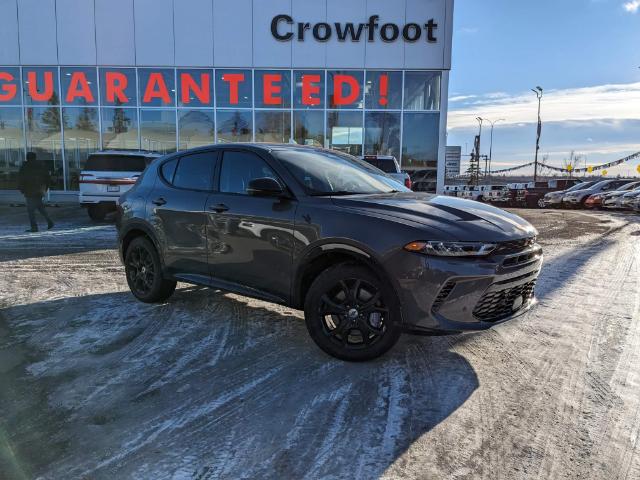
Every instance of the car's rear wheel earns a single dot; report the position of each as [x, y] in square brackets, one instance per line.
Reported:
[351, 314]
[144, 272]
[97, 212]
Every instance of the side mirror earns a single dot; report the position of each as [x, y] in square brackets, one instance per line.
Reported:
[264, 187]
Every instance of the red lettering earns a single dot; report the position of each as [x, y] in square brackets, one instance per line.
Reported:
[156, 88]
[79, 88]
[338, 82]
[35, 94]
[9, 90]
[384, 89]
[269, 89]
[115, 85]
[234, 80]
[309, 89]
[201, 91]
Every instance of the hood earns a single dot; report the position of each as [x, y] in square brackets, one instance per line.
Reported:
[453, 218]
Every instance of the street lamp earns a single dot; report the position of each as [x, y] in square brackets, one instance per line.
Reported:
[538, 92]
[477, 144]
[491, 142]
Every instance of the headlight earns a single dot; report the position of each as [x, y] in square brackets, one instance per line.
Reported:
[451, 249]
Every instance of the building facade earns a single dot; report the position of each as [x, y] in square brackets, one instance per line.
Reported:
[361, 76]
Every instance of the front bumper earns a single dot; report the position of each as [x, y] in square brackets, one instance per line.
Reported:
[441, 294]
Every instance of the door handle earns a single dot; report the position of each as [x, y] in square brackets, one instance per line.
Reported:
[159, 201]
[219, 208]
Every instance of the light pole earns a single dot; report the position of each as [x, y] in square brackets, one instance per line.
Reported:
[479, 119]
[538, 92]
[491, 141]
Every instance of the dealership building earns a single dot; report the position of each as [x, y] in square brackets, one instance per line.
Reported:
[360, 76]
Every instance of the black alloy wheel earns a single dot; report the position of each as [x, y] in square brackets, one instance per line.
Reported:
[144, 272]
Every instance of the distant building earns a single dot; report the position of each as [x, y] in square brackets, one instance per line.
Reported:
[452, 160]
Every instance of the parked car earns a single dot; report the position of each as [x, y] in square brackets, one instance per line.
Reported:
[365, 257]
[613, 199]
[554, 199]
[476, 192]
[628, 200]
[389, 165]
[424, 181]
[516, 191]
[498, 194]
[453, 190]
[107, 175]
[535, 192]
[578, 198]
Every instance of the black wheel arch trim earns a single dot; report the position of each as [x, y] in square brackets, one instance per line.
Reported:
[146, 229]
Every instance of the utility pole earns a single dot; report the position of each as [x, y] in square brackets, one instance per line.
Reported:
[491, 142]
[538, 92]
[479, 119]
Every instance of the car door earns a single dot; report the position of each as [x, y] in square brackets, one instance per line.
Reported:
[177, 213]
[250, 237]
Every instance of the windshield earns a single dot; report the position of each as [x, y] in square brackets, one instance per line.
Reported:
[332, 173]
[628, 187]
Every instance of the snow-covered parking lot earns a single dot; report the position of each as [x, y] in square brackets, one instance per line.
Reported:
[96, 385]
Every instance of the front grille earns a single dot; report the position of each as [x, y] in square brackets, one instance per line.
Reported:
[494, 306]
[520, 259]
[514, 246]
[442, 296]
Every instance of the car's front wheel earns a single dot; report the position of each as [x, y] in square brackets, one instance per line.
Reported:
[351, 314]
[144, 272]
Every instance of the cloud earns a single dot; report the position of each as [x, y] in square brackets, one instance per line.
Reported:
[469, 30]
[632, 6]
[460, 98]
[598, 103]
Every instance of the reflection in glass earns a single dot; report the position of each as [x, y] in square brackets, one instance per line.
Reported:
[81, 137]
[382, 134]
[195, 88]
[308, 128]
[344, 89]
[196, 128]
[10, 87]
[273, 126]
[344, 132]
[79, 86]
[118, 87]
[156, 87]
[273, 88]
[422, 90]
[309, 89]
[420, 141]
[158, 130]
[233, 88]
[381, 95]
[234, 126]
[44, 138]
[40, 86]
[120, 129]
[11, 146]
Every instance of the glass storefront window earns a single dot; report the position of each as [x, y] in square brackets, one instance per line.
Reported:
[10, 82]
[40, 86]
[196, 128]
[233, 88]
[120, 129]
[44, 138]
[344, 89]
[309, 89]
[79, 86]
[81, 137]
[195, 88]
[158, 130]
[382, 134]
[344, 132]
[308, 128]
[422, 90]
[11, 146]
[420, 141]
[383, 90]
[234, 126]
[118, 87]
[273, 126]
[273, 88]
[156, 87]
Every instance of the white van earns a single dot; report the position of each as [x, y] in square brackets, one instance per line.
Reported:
[106, 176]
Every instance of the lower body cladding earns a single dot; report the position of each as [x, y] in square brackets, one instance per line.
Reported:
[451, 295]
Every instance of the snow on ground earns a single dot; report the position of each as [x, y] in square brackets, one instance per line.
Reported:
[94, 384]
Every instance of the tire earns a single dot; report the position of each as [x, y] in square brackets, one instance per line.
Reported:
[97, 212]
[541, 203]
[349, 290]
[144, 272]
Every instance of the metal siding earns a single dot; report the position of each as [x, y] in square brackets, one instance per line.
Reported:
[380, 54]
[154, 32]
[345, 54]
[9, 47]
[423, 54]
[193, 21]
[233, 33]
[37, 32]
[115, 39]
[76, 32]
[309, 54]
[267, 51]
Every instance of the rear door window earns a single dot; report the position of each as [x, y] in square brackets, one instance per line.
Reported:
[117, 163]
[195, 171]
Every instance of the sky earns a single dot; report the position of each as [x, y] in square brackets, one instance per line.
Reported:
[585, 54]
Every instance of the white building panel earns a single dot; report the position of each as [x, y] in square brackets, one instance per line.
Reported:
[233, 32]
[381, 54]
[266, 51]
[193, 24]
[154, 32]
[76, 32]
[9, 47]
[37, 24]
[423, 54]
[346, 54]
[308, 53]
[115, 38]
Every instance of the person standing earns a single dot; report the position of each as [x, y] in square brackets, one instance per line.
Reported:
[33, 182]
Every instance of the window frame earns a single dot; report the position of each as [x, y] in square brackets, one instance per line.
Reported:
[179, 157]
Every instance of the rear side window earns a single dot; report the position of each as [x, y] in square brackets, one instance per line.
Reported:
[195, 171]
[168, 169]
[387, 165]
[117, 163]
[239, 168]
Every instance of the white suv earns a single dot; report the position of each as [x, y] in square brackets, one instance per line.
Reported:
[106, 176]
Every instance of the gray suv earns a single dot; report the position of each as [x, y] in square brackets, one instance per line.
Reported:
[322, 231]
